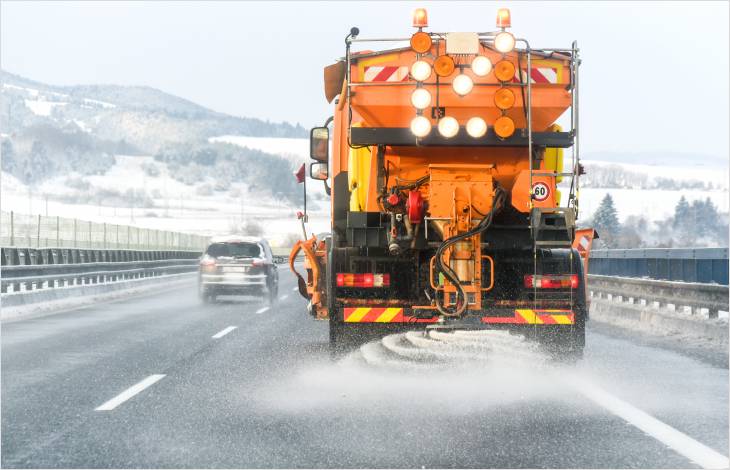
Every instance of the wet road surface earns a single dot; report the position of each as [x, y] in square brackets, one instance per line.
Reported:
[165, 381]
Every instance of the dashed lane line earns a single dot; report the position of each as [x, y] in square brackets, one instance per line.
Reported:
[295, 289]
[223, 332]
[284, 297]
[672, 438]
[129, 393]
[262, 310]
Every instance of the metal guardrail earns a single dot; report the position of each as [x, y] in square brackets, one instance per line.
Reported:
[696, 296]
[696, 265]
[27, 269]
[37, 231]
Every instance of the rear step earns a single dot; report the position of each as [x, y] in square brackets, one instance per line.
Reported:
[553, 227]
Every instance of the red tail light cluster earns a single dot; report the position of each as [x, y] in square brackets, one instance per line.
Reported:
[551, 281]
[207, 265]
[363, 280]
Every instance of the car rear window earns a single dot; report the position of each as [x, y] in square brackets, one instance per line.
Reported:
[234, 250]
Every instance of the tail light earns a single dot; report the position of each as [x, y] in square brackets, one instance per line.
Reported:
[551, 281]
[258, 262]
[207, 265]
[363, 280]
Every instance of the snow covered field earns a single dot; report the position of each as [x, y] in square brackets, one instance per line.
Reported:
[191, 208]
[655, 204]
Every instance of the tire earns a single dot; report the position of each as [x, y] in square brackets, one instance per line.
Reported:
[272, 290]
[203, 294]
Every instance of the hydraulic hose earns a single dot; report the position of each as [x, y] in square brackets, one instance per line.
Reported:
[484, 224]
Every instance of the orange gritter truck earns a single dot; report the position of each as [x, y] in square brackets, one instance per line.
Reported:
[451, 204]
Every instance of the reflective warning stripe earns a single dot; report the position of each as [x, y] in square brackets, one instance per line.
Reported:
[396, 315]
[381, 315]
[385, 73]
[356, 314]
[535, 317]
[388, 315]
[538, 75]
[373, 315]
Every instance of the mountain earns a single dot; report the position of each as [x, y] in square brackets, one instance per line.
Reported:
[52, 130]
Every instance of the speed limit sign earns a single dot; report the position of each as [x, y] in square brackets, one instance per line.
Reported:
[540, 191]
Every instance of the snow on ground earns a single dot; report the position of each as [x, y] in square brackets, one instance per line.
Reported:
[653, 204]
[295, 150]
[42, 107]
[692, 172]
[176, 206]
[81, 125]
[30, 91]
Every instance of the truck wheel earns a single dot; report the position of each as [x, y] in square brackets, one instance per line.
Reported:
[337, 338]
[569, 345]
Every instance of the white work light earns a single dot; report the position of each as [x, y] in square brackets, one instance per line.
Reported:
[420, 98]
[448, 127]
[420, 126]
[462, 84]
[504, 42]
[421, 70]
[476, 127]
[481, 66]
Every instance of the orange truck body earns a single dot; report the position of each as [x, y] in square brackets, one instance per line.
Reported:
[456, 224]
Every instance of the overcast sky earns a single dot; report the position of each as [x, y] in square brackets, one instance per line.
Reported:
[654, 75]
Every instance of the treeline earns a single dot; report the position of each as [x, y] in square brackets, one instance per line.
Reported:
[695, 224]
[42, 151]
[617, 177]
[191, 163]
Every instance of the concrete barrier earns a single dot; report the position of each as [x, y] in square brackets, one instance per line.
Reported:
[657, 321]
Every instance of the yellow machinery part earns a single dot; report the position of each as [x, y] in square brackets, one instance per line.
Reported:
[554, 156]
[358, 176]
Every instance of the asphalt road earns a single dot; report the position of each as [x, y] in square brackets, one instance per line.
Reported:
[267, 394]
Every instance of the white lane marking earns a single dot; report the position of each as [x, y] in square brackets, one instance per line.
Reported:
[295, 289]
[284, 297]
[676, 440]
[129, 393]
[223, 332]
[262, 310]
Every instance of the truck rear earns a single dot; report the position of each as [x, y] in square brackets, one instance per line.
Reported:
[451, 203]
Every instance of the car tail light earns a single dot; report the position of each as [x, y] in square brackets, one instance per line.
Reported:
[363, 280]
[551, 281]
[258, 262]
[207, 265]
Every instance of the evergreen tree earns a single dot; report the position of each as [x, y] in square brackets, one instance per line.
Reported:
[681, 212]
[605, 221]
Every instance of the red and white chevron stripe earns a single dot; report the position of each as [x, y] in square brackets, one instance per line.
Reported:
[538, 75]
[385, 73]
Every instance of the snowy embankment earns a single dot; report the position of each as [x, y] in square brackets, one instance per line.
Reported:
[140, 191]
[28, 304]
[657, 191]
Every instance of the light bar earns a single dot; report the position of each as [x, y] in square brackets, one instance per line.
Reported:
[551, 281]
[363, 280]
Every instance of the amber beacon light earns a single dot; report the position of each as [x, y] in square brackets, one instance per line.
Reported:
[420, 18]
[503, 18]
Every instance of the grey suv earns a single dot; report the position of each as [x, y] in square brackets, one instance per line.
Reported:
[238, 265]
